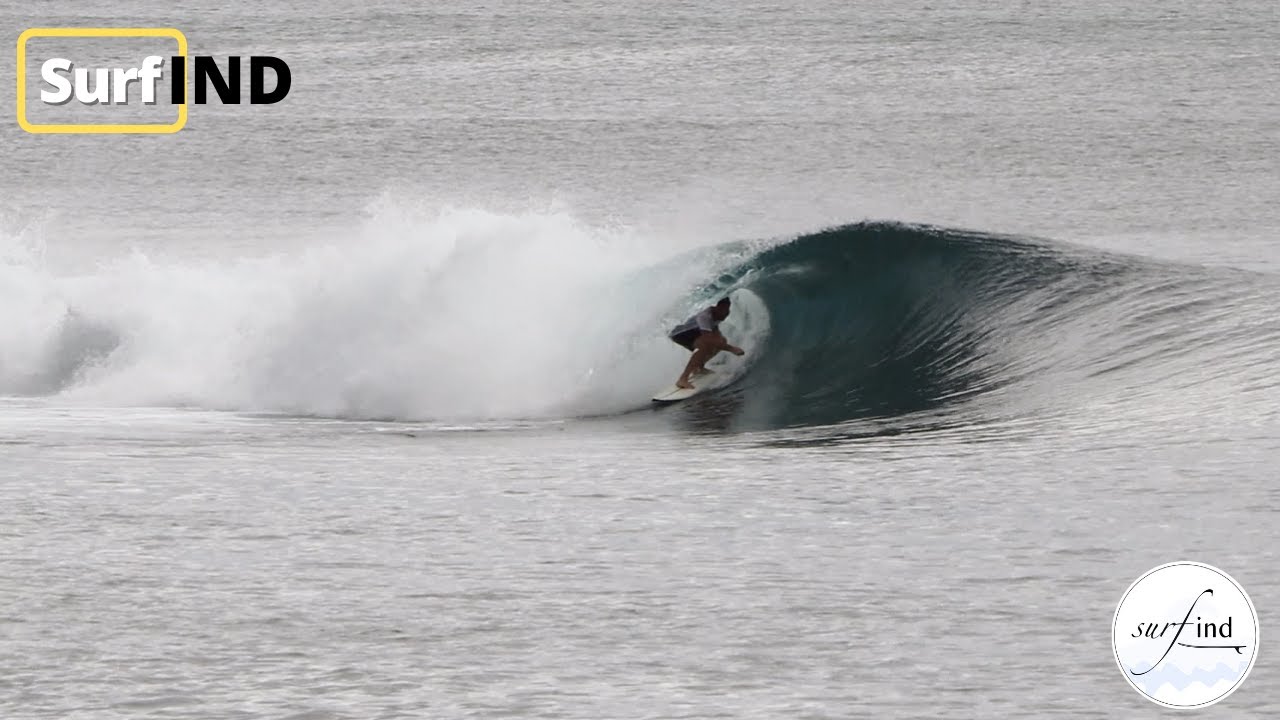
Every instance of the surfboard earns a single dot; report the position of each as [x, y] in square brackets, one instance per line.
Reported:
[671, 393]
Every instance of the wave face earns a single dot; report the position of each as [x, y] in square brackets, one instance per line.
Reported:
[923, 326]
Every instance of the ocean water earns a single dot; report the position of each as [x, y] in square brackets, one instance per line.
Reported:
[338, 407]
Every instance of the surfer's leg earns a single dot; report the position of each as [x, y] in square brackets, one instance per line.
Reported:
[683, 382]
[701, 367]
[704, 348]
[695, 366]
[708, 345]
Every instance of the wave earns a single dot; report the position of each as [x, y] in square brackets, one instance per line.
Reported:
[460, 315]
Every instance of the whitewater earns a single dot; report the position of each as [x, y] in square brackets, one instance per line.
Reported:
[449, 315]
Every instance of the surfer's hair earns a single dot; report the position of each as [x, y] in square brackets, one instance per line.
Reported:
[724, 301]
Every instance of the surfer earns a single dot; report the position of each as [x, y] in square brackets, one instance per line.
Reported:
[701, 334]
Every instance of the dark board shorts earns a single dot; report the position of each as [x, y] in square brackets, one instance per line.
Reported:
[686, 338]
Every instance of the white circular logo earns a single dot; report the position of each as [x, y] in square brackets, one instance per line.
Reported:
[1185, 635]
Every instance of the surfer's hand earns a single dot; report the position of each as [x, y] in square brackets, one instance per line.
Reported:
[736, 350]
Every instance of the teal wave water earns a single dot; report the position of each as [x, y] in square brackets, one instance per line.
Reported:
[920, 326]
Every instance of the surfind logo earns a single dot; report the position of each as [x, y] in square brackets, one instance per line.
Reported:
[1185, 635]
[62, 80]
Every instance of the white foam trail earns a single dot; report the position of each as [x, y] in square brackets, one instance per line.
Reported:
[431, 314]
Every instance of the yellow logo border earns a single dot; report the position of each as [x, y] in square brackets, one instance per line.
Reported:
[152, 128]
